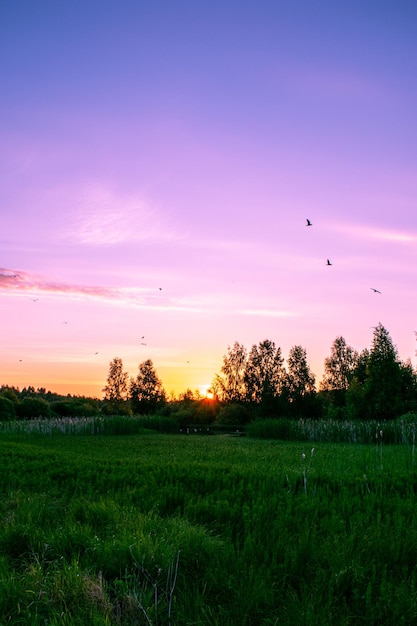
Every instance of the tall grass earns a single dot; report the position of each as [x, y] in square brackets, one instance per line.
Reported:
[175, 530]
[402, 430]
[96, 425]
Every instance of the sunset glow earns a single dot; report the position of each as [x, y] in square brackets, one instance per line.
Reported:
[159, 162]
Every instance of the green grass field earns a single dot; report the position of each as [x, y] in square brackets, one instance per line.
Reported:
[169, 529]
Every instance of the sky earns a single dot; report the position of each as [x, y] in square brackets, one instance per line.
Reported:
[158, 163]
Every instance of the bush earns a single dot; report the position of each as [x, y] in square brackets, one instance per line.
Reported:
[73, 408]
[233, 415]
[7, 409]
[34, 407]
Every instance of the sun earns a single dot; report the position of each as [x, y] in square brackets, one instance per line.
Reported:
[205, 391]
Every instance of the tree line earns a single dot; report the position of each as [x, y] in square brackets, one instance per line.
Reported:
[371, 384]
[256, 383]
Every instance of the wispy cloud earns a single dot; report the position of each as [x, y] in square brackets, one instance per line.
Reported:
[370, 232]
[15, 282]
[105, 217]
[393, 236]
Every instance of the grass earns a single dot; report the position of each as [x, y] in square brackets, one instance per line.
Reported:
[176, 530]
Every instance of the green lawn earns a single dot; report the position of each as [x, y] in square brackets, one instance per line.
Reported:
[205, 530]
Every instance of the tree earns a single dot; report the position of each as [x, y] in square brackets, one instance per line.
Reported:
[357, 405]
[384, 379]
[230, 385]
[338, 372]
[264, 374]
[10, 393]
[408, 389]
[146, 391]
[339, 366]
[382, 386]
[299, 382]
[116, 390]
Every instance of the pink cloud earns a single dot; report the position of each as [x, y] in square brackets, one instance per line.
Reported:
[16, 281]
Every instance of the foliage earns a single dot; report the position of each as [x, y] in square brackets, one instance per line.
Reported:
[299, 380]
[229, 386]
[339, 366]
[337, 376]
[383, 376]
[116, 390]
[372, 385]
[382, 387]
[233, 414]
[299, 383]
[73, 408]
[30, 408]
[7, 409]
[10, 393]
[264, 373]
[147, 394]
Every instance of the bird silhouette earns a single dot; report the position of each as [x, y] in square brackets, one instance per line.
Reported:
[35, 299]
[309, 223]
[375, 290]
[328, 262]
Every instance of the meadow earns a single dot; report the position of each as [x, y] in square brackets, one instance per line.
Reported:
[159, 529]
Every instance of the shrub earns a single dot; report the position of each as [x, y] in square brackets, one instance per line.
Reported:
[34, 407]
[73, 408]
[7, 409]
[233, 415]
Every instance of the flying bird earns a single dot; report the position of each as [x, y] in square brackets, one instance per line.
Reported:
[328, 262]
[309, 223]
[35, 299]
[375, 290]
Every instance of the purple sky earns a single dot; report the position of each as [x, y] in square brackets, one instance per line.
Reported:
[182, 145]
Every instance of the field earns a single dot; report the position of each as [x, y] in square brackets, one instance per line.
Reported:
[205, 530]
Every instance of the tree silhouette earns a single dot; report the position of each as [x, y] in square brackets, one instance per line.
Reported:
[146, 391]
[264, 373]
[382, 386]
[299, 382]
[338, 372]
[116, 390]
[229, 386]
[383, 383]
[339, 366]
